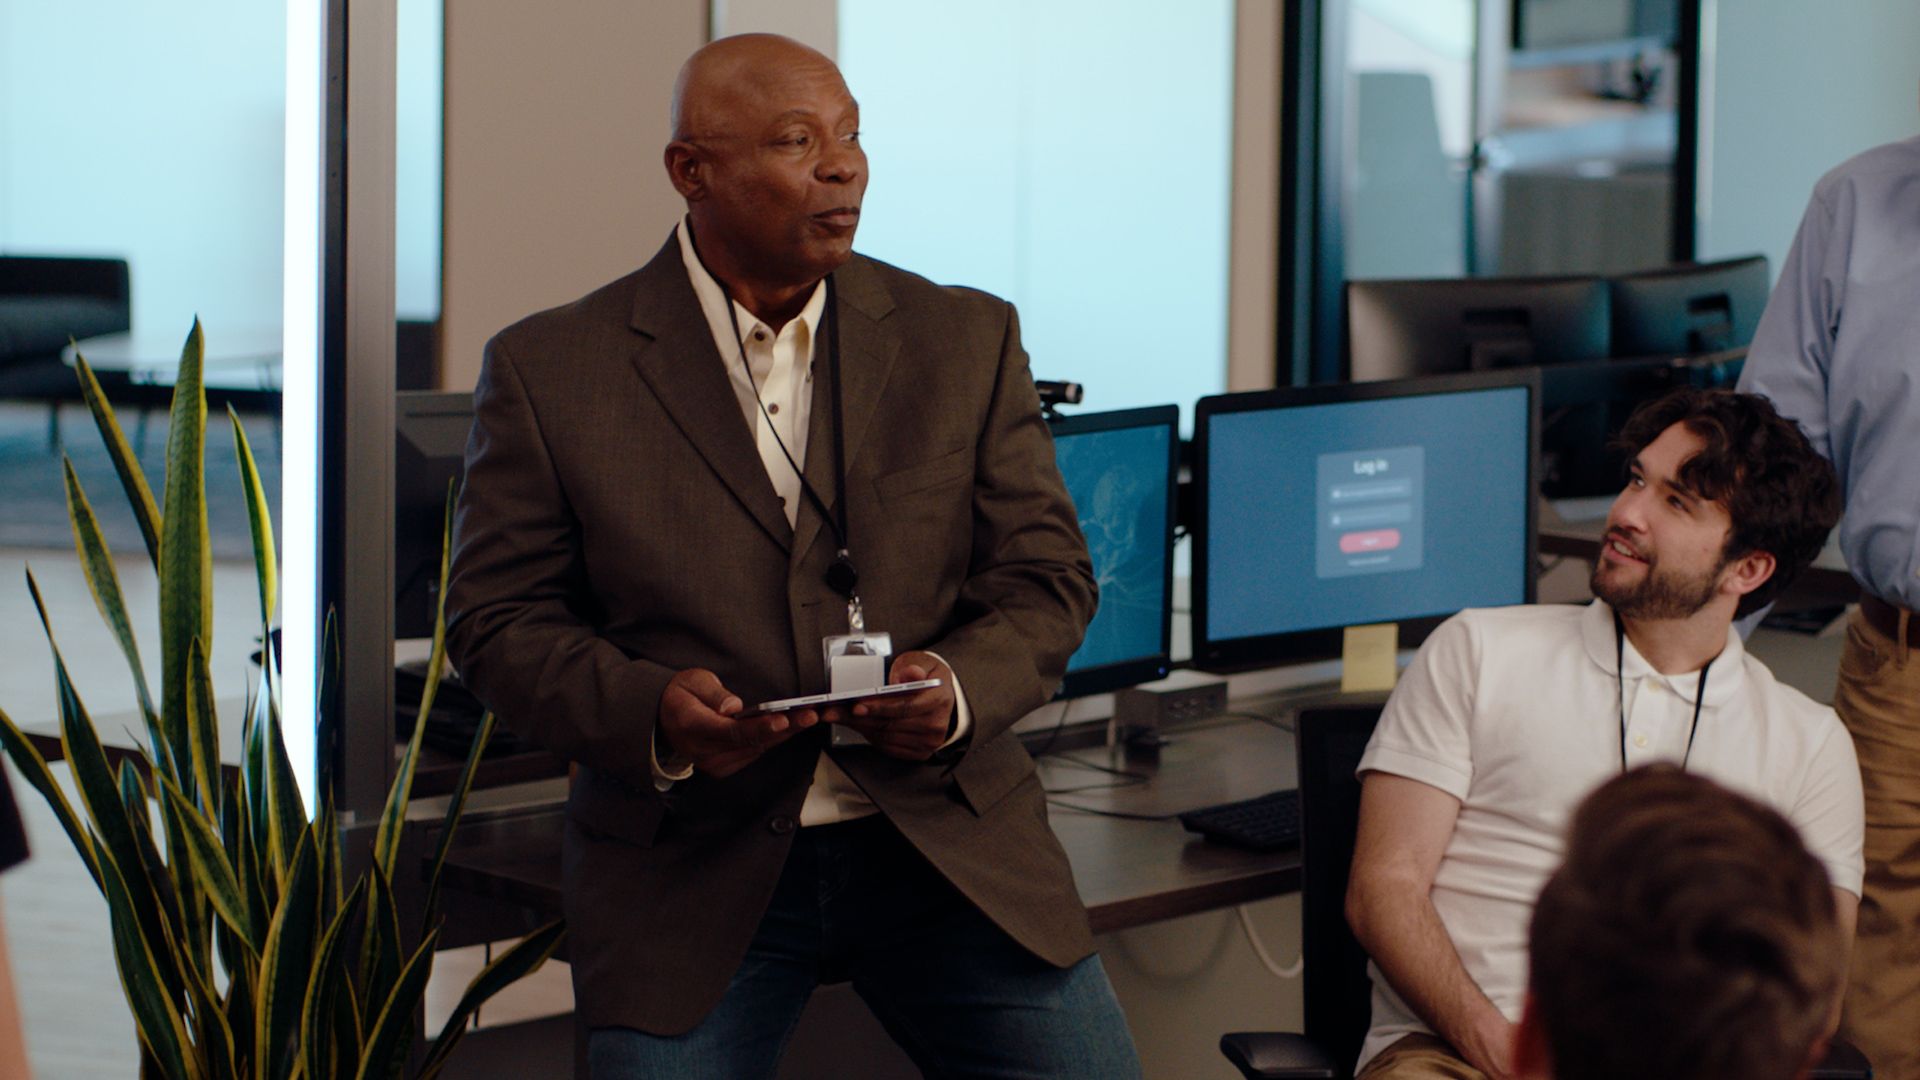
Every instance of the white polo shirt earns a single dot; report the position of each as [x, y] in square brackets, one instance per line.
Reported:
[1514, 711]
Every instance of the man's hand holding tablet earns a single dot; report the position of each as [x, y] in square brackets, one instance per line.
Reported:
[703, 721]
[907, 726]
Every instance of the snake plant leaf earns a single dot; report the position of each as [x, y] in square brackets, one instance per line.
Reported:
[238, 1009]
[253, 772]
[266, 568]
[455, 806]
[178, 901]
[104, 582]
[33, 766]
[317, 1032]
[186, 553]
[392, 1033]
[100, 793]
[328, 708]
[286, 812]
[162, 1029]
[393, 821]
[198, 775]
[195, 924]
[146, 513]
[213, 1034]
[211, 867]
[284, 964]
[523, 959]
[381, 947]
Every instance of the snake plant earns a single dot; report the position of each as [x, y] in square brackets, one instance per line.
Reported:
[243, 946]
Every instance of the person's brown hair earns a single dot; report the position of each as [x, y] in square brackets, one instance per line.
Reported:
[1782, 495]
[1689, 935]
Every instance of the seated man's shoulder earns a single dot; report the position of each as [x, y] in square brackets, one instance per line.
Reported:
[1789, 705]
[1526, 622]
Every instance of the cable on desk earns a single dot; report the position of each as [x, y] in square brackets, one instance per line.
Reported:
[1237, 714]
[1054, 732]
[1051, 801]
[1291, 971]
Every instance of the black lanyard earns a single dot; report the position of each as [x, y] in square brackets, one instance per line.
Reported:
[841, 577]
[1620, 682]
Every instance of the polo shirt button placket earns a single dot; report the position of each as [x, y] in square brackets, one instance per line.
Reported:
[781, 825]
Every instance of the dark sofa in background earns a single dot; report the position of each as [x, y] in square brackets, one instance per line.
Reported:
[44, 301]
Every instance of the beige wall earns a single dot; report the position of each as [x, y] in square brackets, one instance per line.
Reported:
[555, 118]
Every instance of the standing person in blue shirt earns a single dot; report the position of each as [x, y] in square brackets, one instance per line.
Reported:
[1839, 351]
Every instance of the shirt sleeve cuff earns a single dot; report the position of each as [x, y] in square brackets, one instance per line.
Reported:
[670, 772]
[962, 715]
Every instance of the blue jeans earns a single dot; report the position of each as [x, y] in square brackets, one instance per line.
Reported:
[856, 902]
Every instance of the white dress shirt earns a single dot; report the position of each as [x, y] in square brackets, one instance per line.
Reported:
[782, 383]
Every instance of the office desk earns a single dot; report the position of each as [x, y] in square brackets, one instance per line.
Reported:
[1130, 872]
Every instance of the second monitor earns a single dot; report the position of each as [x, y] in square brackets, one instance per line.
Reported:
[1402, 329]
[1122, 470]
[1323, 507]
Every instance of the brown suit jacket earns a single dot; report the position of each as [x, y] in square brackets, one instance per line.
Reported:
[617, 525]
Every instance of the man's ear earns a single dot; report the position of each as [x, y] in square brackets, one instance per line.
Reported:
[1748, 572]
[1532, 1059]
[686, 170]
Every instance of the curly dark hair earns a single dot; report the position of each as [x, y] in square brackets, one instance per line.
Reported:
[1781, 494]
[1689, 935]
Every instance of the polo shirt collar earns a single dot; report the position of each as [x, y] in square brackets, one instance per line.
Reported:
[1729, 673]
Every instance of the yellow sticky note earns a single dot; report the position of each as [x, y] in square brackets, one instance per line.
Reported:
[1366, 658]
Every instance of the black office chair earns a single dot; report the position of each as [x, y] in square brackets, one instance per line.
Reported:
[1338, 995]
[1337, 991]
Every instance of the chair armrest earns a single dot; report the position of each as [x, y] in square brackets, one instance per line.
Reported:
[1274, 1055]
[1843, 1062]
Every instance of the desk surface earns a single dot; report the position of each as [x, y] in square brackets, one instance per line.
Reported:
[1129, 872]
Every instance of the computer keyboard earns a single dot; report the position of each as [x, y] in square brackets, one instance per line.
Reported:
[1270, 822]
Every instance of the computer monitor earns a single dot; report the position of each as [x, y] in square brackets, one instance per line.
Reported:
[1689, 309]
[1405, 328]
[1122, 470]
[1323, 507]
[429, 451]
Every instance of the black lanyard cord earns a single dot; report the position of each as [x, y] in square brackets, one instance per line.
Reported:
[841, 576]
[1620, 682]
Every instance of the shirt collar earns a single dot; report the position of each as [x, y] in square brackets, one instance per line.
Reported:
[1725, 680]
[713, 301]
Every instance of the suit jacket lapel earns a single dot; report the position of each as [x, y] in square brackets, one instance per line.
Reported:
[867, 351]
[679, 362]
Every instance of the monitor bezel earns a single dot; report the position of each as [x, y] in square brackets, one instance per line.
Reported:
[1109, 677]
[1322, 643]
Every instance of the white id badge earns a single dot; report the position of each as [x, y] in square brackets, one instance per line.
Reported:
[856, 661]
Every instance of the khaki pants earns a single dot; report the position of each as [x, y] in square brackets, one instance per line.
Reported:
[1419, 1057]
[1878, 698]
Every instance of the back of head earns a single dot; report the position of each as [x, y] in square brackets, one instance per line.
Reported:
[1782, 495]
[1689, 935]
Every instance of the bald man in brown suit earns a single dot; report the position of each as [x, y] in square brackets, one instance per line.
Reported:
[657, 487]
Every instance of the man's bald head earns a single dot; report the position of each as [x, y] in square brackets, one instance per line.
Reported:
[724, 76]
[766, 151]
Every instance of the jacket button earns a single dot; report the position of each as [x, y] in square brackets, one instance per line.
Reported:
[780, 826]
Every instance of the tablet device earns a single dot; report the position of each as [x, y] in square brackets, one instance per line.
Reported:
[889, 690]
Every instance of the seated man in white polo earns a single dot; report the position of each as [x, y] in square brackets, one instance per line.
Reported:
[1508, 717]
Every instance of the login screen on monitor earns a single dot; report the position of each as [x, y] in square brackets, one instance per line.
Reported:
[1349, 512]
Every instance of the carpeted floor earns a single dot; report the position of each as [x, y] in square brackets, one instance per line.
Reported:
[33, 506]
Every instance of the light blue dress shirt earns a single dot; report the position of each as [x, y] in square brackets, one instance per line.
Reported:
[1839, 351]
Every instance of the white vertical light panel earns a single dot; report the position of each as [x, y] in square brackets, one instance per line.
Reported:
[300, 397]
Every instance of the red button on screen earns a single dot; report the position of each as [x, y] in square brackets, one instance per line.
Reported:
[1354, 543]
